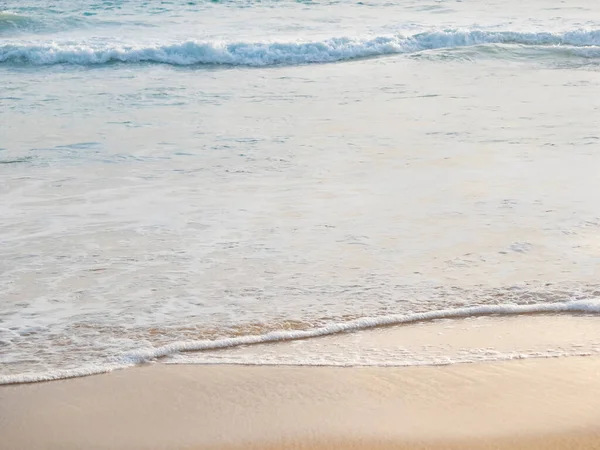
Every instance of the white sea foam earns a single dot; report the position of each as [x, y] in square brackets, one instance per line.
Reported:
[324, 361]
[278, 53]
[143, 356]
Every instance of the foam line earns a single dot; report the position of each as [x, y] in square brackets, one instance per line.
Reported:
[437, 362]
[142, 356]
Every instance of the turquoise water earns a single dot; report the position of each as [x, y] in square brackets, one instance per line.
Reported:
[188, 171]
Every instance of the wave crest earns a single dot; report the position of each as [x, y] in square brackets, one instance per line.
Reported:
[278, 53]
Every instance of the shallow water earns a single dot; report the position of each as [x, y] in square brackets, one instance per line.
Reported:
[432, 342]
[182, 171]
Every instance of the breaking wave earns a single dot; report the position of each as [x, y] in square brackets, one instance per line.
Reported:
[282, 53]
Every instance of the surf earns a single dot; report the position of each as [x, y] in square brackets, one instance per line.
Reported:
[133, 358]
[263, 54]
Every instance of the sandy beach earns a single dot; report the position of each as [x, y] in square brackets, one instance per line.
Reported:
[310, 224]
[551, 403]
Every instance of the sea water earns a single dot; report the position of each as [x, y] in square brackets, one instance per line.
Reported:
[194, 175]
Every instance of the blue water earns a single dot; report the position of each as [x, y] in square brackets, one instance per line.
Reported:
[176, 172]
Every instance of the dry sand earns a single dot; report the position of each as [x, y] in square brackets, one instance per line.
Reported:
[534, 403]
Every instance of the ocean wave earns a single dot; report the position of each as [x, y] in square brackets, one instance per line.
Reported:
[13, 24]
[143, 356]
[278, 53]
[11, 21]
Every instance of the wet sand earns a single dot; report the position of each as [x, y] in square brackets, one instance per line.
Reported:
[551, 403]
[435, 342]
[543, 403]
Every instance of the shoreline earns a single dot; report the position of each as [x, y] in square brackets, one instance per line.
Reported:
[537, 403]
[562, 311]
